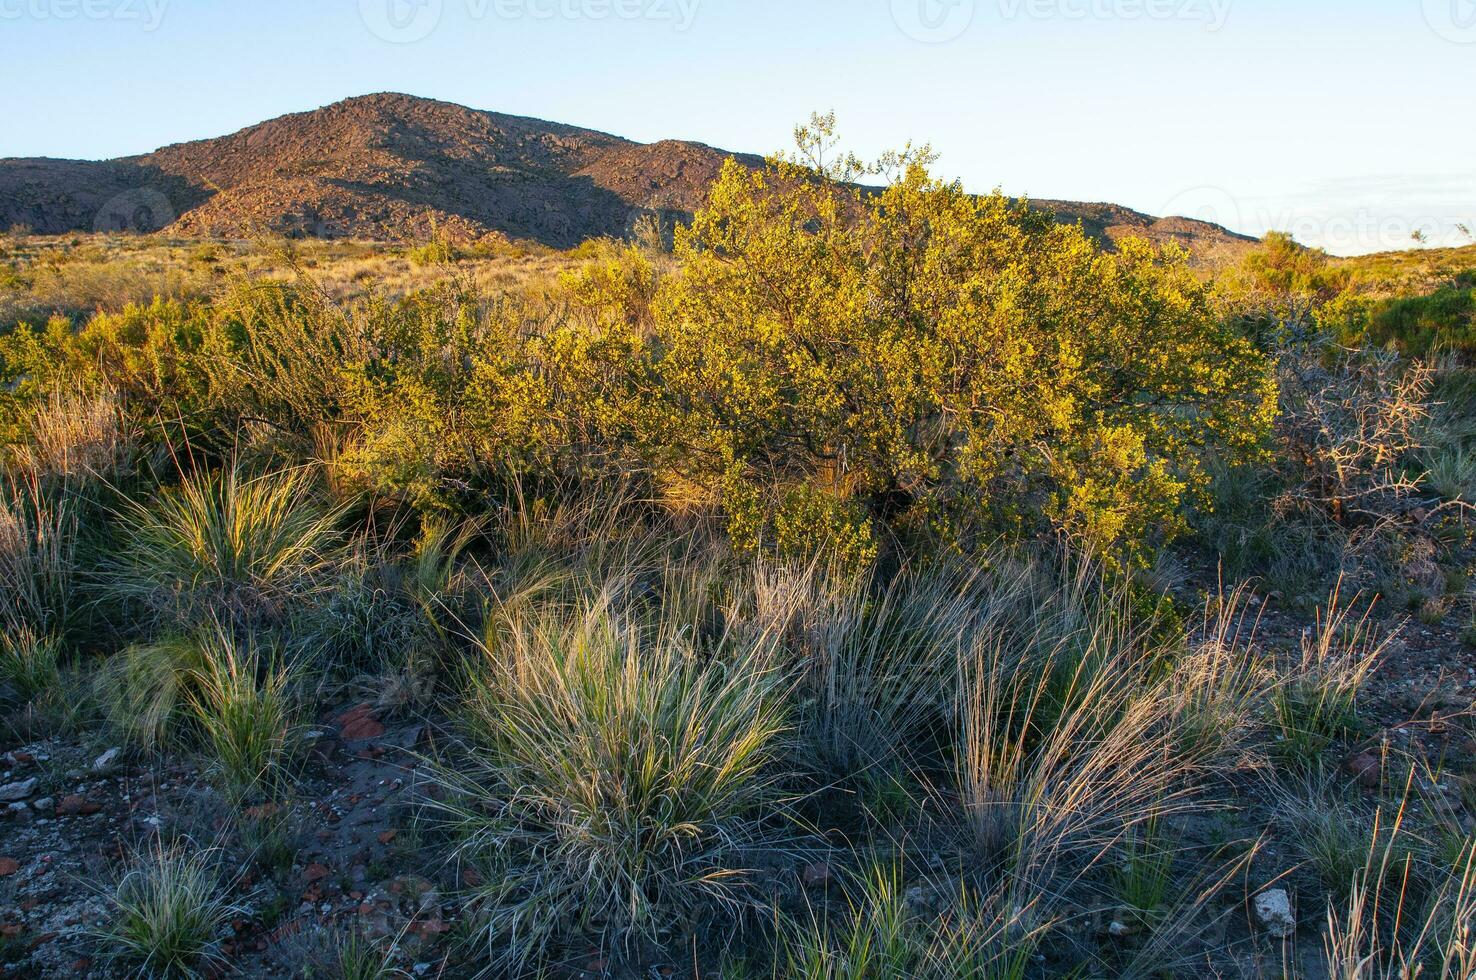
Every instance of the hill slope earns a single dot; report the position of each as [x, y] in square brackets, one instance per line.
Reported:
[390, 166]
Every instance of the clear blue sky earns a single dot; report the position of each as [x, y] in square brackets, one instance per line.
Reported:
[1349, 122]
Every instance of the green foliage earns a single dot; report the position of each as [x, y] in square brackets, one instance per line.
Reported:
[167, 912]
[945, 361]
[1419, 326]
[243, 706]
[823, 365]
[611, 772]
[29, 663]
[226, 542]
[1281, 266]
[881, 935]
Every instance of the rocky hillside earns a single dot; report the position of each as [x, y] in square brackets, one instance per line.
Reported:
[391, 167]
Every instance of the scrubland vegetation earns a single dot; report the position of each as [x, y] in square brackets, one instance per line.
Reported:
[867, 585]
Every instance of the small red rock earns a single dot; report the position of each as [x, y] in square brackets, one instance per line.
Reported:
[430, 927]
[8, 866]
[358, 724]
[386, 836]
[1366, 768]
[76, 806]
[315, 872]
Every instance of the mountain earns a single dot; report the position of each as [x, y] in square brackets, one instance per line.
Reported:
[392, 167]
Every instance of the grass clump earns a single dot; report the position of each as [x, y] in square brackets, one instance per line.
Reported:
[1052, 708]
[243, 706]
[30, 663]
[227, 542]
[873, 656]
[1317, 702]
[614, 771]
[226, 693]
[38, 557]
[886, 930]
[168, 910]
[145, 690]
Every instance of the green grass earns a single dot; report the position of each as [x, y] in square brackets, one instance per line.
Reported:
[29, 664]
[167, 911]
[221, 691]
[613, 769]
[1418, 326]
[883, 934]
[1144, 877]
[243, 705]
[228, 544]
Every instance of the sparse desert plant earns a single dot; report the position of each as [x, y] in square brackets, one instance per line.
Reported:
[1316, 702]
[216, 688]
[38, 557]
[242, 703]
[1220, 684]
[1348, 418]
[227, 543]
[168, 909]
[1335, 837]
[882, 934]
[29, 662]
[613, 772]
[1389, 924]
[1451, 472]
[349, 954]
[146, 689]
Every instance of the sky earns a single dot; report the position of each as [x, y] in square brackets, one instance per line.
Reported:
[1346, 122]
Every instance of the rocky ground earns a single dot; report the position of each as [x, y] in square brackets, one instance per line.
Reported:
[342, 857]
[346, 858]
